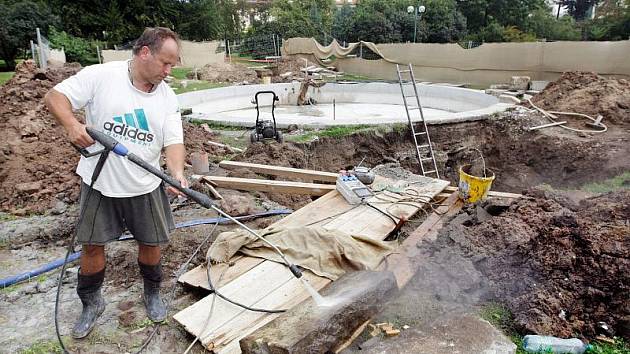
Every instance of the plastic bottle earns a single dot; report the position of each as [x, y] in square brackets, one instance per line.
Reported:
[548, 344]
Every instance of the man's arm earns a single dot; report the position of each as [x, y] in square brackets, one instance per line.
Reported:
[175, 156]
[60, 107]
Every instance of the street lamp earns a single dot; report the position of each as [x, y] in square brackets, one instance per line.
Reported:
[417, 12]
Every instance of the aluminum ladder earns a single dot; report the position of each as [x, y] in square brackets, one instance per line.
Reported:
[419, 131]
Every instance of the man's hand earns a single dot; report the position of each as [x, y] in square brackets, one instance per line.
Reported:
[183, 181]
[78, 135]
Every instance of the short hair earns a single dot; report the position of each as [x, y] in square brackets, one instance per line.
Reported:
[154, 37]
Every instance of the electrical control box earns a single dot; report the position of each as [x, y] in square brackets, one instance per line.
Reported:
[353, 190]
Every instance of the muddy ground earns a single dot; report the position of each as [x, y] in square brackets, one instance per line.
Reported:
[574, 249]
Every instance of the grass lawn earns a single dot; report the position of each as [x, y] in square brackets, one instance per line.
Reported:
[195, 86]
[5, 76]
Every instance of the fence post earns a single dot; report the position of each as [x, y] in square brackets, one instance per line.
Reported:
[273, 39]
[42, 62]
[98, 54]
[227, 50]
[33, 51]
[361, 50]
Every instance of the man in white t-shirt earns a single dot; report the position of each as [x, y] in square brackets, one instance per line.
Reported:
[129, 101]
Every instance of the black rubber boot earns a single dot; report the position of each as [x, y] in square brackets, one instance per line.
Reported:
[89, 291]
[152, 274]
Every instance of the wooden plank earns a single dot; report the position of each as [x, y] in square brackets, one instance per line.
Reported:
[306, 175]
[214, 192]
[354, 336]
[401, 263]
[326, 210]
[289, 295]
[198, 276]
[490, 193]
[248, 184]
[250, 289]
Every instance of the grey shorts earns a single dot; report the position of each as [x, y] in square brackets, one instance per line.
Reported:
[148, 217]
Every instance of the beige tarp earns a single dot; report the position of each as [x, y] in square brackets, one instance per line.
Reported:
[326, 253]
[311, 46]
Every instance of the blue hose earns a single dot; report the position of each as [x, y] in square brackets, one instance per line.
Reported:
[74, 256]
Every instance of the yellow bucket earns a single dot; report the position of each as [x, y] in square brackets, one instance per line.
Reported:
[473, 189]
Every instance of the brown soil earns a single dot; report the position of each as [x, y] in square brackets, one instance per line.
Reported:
[520, 158]
[560, 266]
[226, 72]
[287, 65]
[36, 160]
[588, 93]
[35, 157]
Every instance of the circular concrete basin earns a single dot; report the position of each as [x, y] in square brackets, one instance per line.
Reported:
[340, 104]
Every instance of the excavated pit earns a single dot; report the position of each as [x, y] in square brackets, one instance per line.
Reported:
[542, 231]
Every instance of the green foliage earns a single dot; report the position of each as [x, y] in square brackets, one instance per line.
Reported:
[579, 9]
[618, 346]
[195, 86]
[501, 317]
[613, 26]
[18, 21]
[442, 23]
[621, 182]
[513, 34]
[43, 347]
[200, 20]
[303, 18]
[180, 73]
[544, 25]
[76, 49]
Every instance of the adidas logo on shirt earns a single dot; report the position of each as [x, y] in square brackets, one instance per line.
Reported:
[135, 126]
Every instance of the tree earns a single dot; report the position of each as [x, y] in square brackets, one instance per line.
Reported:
[17, 27]
[343, 23]
[199, 20]
[544, 25]
[578, 9]
[481, 14]
[442, 23]
[303, 18]
[612, 26]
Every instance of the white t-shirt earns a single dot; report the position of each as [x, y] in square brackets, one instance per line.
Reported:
[143, 122]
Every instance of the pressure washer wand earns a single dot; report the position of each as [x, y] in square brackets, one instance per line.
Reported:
[111, 144]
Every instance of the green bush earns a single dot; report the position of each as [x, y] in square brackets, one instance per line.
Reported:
[76, 49]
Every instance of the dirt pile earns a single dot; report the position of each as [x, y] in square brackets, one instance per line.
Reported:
[588, 93]
[288, 69]
[226, 72]
[36, 161]
[561, 266]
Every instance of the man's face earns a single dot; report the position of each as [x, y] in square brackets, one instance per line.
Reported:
[156, 66]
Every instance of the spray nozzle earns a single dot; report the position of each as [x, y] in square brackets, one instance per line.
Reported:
[295, 270]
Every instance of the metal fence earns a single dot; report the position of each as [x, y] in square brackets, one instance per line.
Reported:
[469, 44]
[258, 47]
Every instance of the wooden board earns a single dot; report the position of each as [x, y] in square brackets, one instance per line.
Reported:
[262, 185]
[198, 277]
[401, 263]
[305, 175]
[490, 193]
[277, 288]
